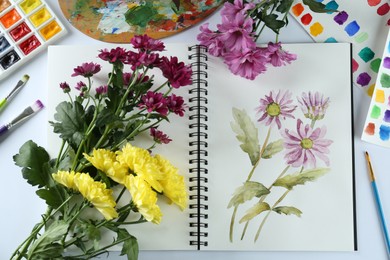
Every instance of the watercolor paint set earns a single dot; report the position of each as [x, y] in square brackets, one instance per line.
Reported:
[377, 125]
[26, 28]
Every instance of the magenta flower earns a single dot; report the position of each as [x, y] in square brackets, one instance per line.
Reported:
[212, 40]
[231, 11]
[314, 105]
[176, 104]
[159, 136]
[87, 69]
[177, 73]
[113, 55]
[247, 64]
[101, 90]
[145, 43]
[237, 34]
[65, 87]
[154, 102]
[278, 56]
[81, 86]
[275, 107]
[305, 145]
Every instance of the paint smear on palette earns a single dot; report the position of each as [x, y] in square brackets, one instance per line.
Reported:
[364, 23]
[384, 132]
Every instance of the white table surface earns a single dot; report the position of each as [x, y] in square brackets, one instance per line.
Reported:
[20, 207]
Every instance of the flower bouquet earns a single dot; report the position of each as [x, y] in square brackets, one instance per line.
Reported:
[100, 181]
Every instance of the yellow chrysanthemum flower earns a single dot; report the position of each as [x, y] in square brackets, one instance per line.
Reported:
[94, 191]
[144, 198]
[142, 164]
[173, 184]
[105, 160]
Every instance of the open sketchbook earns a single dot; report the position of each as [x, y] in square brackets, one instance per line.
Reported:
[297, 119]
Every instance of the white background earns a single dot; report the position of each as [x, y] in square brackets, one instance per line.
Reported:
[20, 208]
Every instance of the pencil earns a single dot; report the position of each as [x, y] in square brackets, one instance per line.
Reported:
[378, 204]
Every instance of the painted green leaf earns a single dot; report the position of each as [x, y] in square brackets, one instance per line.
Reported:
[255, 211]
[290, 181]
[317, 7]
[247, 134]
[272, 148]
[287, 210]
[248, 191]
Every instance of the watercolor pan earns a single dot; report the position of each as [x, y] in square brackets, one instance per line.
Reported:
[27, 27]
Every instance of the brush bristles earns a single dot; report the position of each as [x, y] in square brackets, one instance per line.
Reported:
[25, 78]
[37, 106]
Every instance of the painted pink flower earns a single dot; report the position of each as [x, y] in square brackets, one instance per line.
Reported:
[113, 55]
[87, 69]
[247, 64]
[313, 105]
[237, 34]
[275, 107]
[145, 43]
[176, 104]
[304, 146]
[212, 40]
[231, 11]
[278, 56]
[159, 136]
[177, 73]
[154, 102]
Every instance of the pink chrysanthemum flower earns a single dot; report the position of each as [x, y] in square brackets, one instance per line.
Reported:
[212, 40]
[177, 73]
[159, 136]
[313, 105]
[305, 145]
[154, 102]
[275, 107]
[278, 56]
[102, 90]
[247, 64]
[145, 43]
[81, 86]
[230, 11]
[65, 87]
[176, 104]
[87, 69]
[236, 34]
[113, 55]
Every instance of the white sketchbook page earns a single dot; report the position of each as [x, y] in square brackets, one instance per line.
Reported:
[372, 132]
[173, 231]
[327, 222]
[372, 25]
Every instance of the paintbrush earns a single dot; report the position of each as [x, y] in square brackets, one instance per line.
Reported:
[27, 113]
[15, 90]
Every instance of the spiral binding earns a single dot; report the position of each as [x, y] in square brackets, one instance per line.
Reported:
[198, 143]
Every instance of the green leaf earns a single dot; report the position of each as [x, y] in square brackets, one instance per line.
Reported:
[247, 134]
[35, 162]
[130, 245]
[51, 196]
[248, 191]
[255, 211]
[47, 241]
[290, 181]
[284, 6]
[272, 22]
[71, 123]
[288, 210]
[317, 7]
[272, 148]
[94, 235]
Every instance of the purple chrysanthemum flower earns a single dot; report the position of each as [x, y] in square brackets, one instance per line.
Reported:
[145, 43]
[230, 11]
[313, 105]
[275, 107]
[81, 86]
[154, 102]
[113, 55]
[237, 34]
[159, 136]
[212, 40]
[87, 69]
[305, 145]
[177, 73]
[101, 90]
[65, 87]
[279, 57]
[247, 64]
[176, 104]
